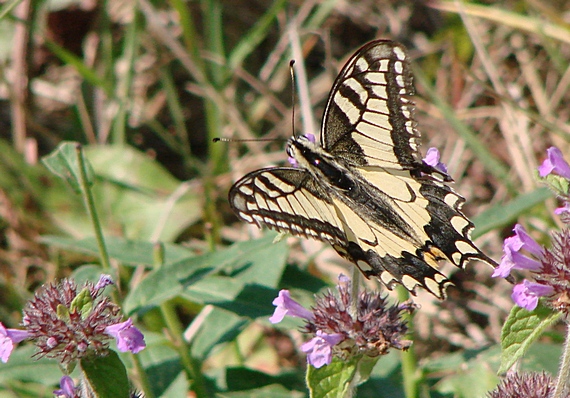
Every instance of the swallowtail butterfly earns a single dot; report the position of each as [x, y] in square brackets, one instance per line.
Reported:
[364, 188]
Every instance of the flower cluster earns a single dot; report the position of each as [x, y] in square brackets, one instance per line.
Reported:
[550, 267]
[370, 329]
[525, 385]
[69, 324]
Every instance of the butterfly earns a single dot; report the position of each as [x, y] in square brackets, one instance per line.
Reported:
[364, 188]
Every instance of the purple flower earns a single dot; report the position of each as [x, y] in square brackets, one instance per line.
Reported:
[285, 305]
[528, 243]
[319, 348]
[67, 322]
[67, 388]
[104, 281]
[9, 337]
[128, 337]
[432, 159]
[554, 163]
[563, 209]
[526, 294]
[311, 137]
[372, 330]
[513, 258]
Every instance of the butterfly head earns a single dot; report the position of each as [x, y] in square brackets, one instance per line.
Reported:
[298, 145]
[305, 154]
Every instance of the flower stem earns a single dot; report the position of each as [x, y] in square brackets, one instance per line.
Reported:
[105, 263]
[191, 365]
[90, 206]
[409, 362]
[144, 382]
[564, 373]
[354, 291]
[176, 333]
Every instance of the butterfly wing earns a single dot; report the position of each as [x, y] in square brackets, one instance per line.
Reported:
[386, 211]
[368, 119]
[369, 125]
[290, 200]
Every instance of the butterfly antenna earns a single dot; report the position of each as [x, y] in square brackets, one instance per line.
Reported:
[293, 100]
[293, 95]
[224, 139]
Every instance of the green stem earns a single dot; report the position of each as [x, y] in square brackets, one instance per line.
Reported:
[124, 83]
[409, 370]
[564, 373]
[409, 362]
[144, 382]
[90, 206]
[92, 212]
[192, 366]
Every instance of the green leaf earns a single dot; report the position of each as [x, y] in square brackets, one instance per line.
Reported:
[162, 365]
[21, 367]
[62, 312]
[542, 357]
[252, 301]
[262, 263]
[258, 32]
[128, 252]
[88, 273]
[521, 329]
[295, 278]
[134, 194]
[107, 376]
[506, 213]
[182, 278]
[218, 326]
[557, 183]
[273, 391]
[87, 73]
[63, 163]
[241, 379]
[331, 381]
[82, 303]
[7, 7]
[364, 369]
[471, 381]
[465, 374]
[386, 378]
[140, 196]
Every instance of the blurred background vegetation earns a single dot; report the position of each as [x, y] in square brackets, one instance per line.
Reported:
[145, 86]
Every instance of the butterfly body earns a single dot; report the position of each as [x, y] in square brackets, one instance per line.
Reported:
[364, 188]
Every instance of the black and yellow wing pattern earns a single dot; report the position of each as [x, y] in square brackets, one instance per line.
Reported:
[364, 188]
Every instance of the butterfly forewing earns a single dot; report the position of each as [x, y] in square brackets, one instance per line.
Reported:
[364, 189]
[287, 199]
[369, 116]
